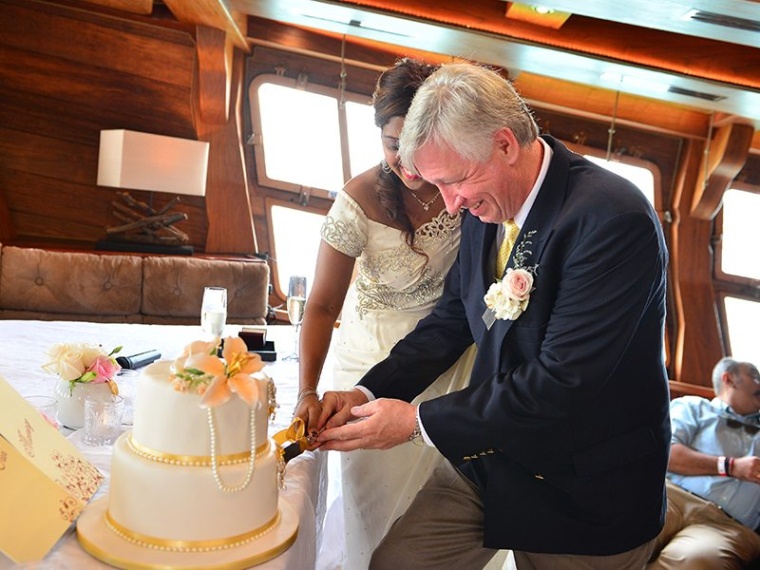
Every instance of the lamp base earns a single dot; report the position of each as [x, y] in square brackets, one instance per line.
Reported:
[110, 245]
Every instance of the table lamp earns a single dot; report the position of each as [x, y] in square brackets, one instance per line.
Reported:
[156, 163]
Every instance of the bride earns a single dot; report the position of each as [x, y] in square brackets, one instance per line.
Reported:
[391, 228]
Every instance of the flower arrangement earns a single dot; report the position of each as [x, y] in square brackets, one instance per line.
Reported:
[83, 363]
[200, 369]
[508, 298]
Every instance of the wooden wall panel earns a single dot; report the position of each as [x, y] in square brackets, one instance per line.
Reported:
[698, 342]
[86, 90]
[98, 40]
[48, 157]
[66, 74]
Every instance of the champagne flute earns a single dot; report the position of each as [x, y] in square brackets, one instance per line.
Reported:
[214, 311]
[296, 303]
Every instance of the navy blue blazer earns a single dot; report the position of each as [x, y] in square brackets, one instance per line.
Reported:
[564, 426]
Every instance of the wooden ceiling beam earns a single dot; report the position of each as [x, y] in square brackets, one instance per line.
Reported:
[217, 14]
[724, 158]
[553, 19]
[144, 7]
[656, 49]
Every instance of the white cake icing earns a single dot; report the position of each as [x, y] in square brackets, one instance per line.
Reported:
[178, 425]
[165, 492]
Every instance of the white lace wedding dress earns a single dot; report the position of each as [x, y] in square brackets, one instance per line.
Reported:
[394, 288]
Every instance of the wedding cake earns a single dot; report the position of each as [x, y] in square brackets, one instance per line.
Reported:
[195, 482]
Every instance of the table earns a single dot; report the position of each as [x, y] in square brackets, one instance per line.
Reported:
[23, 345]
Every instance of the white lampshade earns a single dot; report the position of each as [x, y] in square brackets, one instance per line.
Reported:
[143, 161]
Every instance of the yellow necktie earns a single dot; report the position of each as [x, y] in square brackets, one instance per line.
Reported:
[502, 257]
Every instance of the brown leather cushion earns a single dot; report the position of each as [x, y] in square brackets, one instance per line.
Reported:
[70, 283]
[173, 288]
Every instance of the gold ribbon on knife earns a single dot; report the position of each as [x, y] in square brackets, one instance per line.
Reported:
[292, 441]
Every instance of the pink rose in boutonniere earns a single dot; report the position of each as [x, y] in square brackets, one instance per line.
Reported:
[508, 298]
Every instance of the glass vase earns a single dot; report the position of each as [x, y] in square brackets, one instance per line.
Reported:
[71, 396]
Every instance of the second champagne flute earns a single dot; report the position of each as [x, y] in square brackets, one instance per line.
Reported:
[296, 303]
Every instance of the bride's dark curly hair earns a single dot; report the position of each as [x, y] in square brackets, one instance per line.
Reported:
[393, 95]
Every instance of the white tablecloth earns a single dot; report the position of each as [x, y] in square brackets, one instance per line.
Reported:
[23, 345]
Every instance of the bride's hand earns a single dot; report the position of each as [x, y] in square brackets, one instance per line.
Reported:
[309, 409]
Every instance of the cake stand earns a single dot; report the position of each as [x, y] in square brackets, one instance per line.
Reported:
[100, 541]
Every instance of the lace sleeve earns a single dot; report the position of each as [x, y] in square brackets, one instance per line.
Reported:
[345, 226]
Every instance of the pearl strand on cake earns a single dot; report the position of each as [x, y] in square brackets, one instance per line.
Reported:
[214, 464]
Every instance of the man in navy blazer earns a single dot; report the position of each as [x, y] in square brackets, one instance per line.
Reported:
[559, 445]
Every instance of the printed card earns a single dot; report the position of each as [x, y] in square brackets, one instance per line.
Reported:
[45, 481]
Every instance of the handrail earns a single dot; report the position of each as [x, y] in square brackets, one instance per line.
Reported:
[686, 389]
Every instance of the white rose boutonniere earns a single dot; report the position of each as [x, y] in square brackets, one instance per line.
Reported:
[508, 298]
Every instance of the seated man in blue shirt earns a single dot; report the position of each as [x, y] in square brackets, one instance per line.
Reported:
[713, 483]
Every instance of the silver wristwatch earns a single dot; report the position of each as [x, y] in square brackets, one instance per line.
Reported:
[416, 435]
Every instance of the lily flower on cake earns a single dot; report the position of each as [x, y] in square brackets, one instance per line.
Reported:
[84, 363]
[217, 378]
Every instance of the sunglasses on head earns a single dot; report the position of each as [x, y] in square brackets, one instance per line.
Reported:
[736, 424]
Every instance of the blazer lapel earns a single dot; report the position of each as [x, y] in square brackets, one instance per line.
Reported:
[482, 243]
[547, 206]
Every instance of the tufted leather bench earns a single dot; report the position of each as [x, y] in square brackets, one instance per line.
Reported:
[126, 288]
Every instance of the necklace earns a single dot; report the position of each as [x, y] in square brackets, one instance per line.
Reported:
[425, 205]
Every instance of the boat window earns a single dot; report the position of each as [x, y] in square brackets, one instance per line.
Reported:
[737, 274]
[296, 240]
[741, 210]
[742, 316]
[300, 137]
[307, 139]
[310, 137]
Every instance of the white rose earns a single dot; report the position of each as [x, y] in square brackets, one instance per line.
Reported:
[66, 360]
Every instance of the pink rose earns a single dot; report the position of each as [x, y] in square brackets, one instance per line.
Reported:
[104, 369]
[519, 284]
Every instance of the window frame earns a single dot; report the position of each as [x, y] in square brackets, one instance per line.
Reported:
[719, 276]
[270, 204]
[727, 284]
[302, 83]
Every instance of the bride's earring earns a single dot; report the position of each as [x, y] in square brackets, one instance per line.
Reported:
[385, 166]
